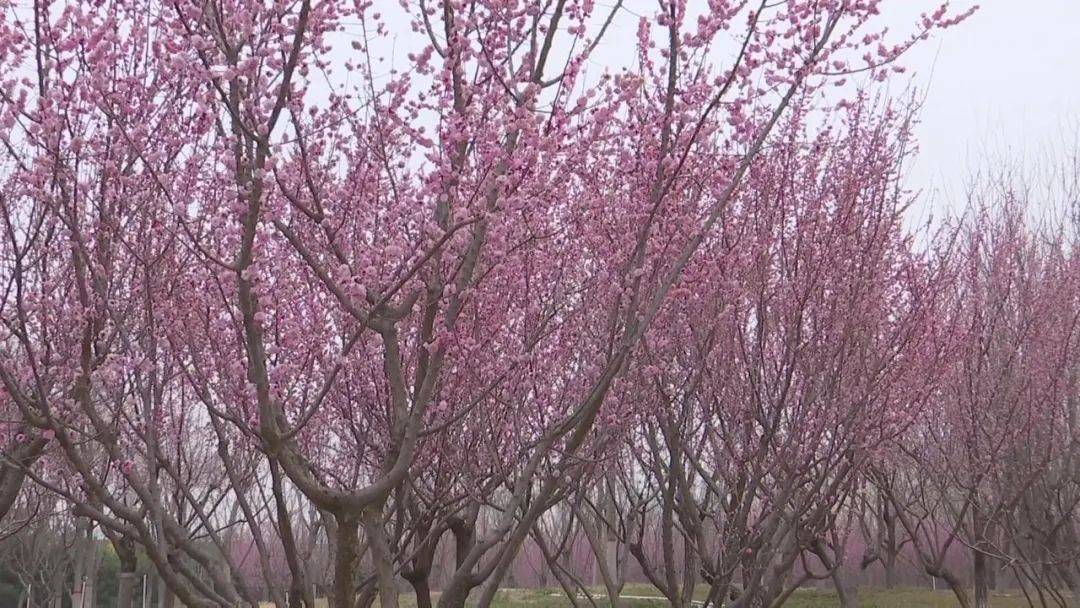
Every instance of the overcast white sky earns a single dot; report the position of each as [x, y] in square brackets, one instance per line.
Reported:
[1003, 86]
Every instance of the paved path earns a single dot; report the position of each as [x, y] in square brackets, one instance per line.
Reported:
[650, 597]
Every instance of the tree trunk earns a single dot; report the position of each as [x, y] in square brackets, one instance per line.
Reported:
[890, 550]
[955, 584]
[849, 596]
[993, 564]
[13, 471]
[982, 590]
[980, 567]
[295, 595]
[366, 597]
[298, 594]
[423, 592]
[889, 562]
[345, 563]
[165, 598]
[381, 557]
[455, 596]
[611, 548]
[125, 589]
[420, 581]
[419, 572]
[462, 582]
[86, 561]
[604, 542]
[125, 580]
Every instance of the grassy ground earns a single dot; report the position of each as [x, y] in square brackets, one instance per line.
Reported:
[899, 598]
[810, 598]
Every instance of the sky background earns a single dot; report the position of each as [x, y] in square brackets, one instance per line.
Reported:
[1001, 88]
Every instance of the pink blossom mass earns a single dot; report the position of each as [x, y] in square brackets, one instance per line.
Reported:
[351, 302]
